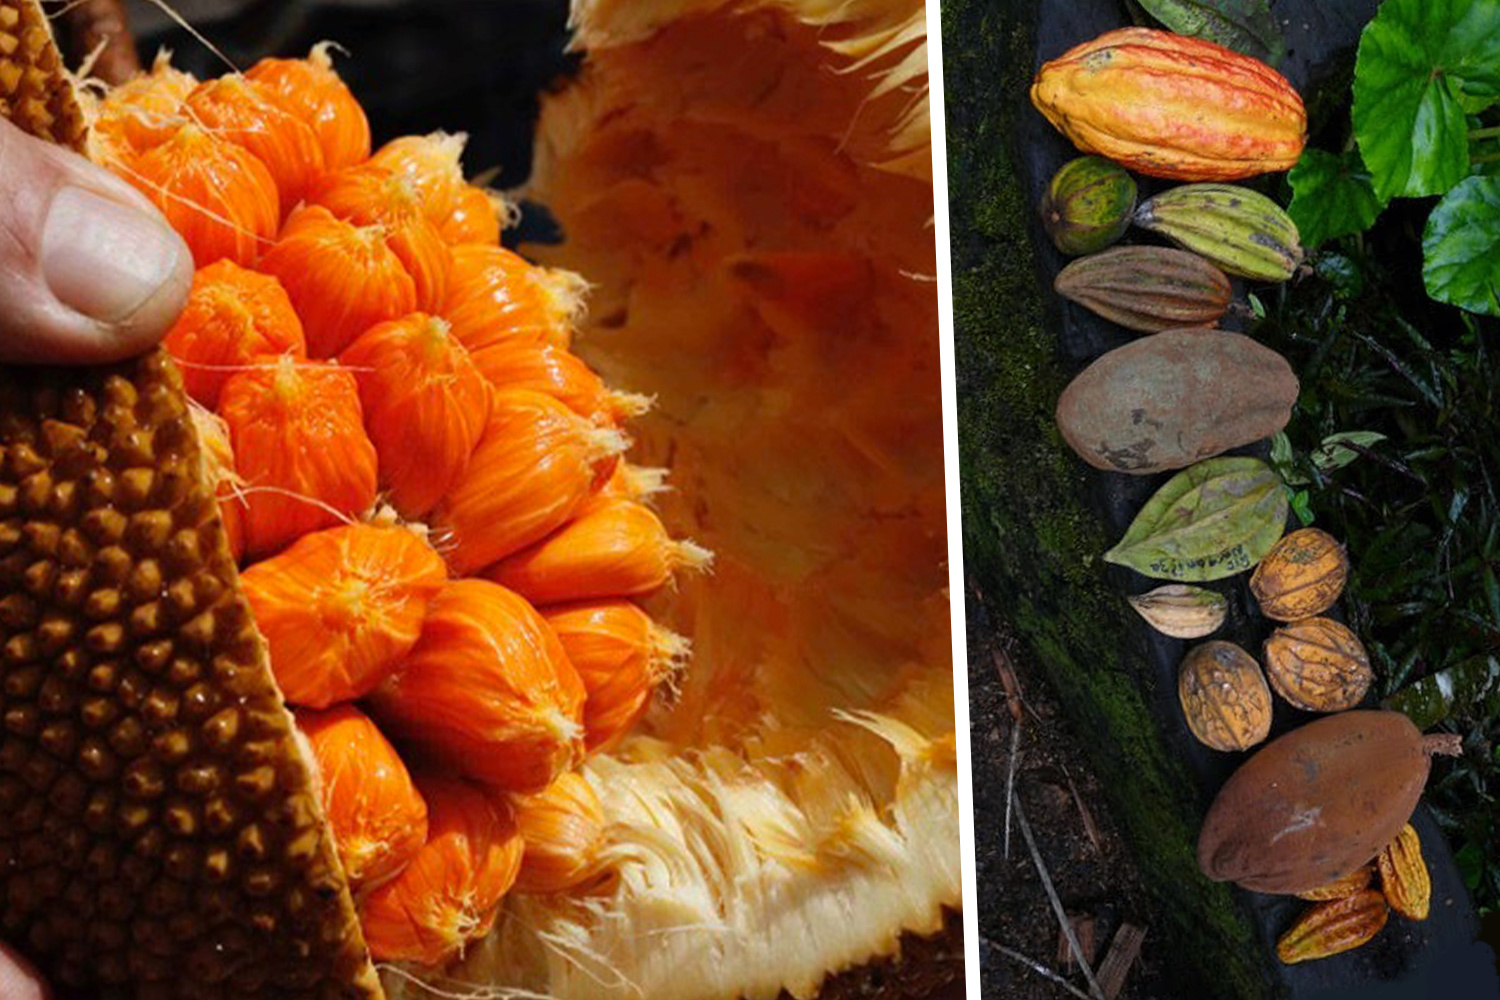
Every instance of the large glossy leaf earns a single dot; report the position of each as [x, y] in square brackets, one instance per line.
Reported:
[1246, 26]
[1208, 522]
[1459, 689]
[1461, 247]
[1422, 65]
[1331, 196]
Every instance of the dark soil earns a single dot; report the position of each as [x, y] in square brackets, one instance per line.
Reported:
[1056, 787]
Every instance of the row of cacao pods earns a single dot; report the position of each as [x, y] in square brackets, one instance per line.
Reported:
[1316, 805]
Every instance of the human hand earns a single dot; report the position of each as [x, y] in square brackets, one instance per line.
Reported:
[89, 270]
[18, 980]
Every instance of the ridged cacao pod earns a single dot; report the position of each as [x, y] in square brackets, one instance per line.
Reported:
[1088, 205]
[1301, 577]
[1170, 106]
[1224, 696]
[1318, 665]
[1240, 230]
[1149, 289]
[1404, 878]
[1175, 398]
[1316, 803]
[1331, 928]
[1181, 610]
[1347, 885]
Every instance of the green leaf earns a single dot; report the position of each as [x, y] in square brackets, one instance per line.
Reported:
[1246, 26]
[1346, 277]
[1439, 696]
[1302, 507]
[1210, 521]
[1422, 66]
[1461, 247]
[1332, 453]
[1331, 196]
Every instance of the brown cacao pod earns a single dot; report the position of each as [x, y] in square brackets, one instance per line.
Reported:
[1224, 696]
[1336, 926]
[1347, 885]
[1175, 398]
[1318, 665]
[1404, 878]
[1316, 803]
[1149, 289]
[1171, 106]
[1302, 576]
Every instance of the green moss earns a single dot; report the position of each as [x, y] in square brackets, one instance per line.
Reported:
[1031, 542]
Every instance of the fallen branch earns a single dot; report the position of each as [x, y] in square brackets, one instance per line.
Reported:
[1057, 907]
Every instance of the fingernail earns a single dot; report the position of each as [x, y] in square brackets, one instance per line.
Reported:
[104, 259]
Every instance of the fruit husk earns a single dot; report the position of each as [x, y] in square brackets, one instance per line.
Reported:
[1315, 803]
[1224, 696]
[1208, 522]
[1302, 576]
[1182, 611]
[1088, 205]
[1240, 230]
[1147, 289]
[1175, 398]
[1170, 106]
[1318, 665]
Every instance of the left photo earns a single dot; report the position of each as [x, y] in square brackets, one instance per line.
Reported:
[472, 503]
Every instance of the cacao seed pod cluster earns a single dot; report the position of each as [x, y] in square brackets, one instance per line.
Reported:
[1167, 106]
[1318, 812]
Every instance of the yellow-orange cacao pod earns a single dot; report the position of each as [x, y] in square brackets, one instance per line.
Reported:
[1171, 106]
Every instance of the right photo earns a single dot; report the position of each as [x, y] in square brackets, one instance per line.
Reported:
[1226, 299]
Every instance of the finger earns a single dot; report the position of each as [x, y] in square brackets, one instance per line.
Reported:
[89, 270]
[18, 980]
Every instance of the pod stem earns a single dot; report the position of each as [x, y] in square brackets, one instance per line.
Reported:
[1444, 744]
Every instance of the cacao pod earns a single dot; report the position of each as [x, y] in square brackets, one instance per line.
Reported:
[1182, 611]
[1176, 398]
[1347, 885]
[1403, 875]
[1149, 289]
[1240, 230]
[1170, 106]
[1302, 576]
[1088, 205]
[1316, 803]
[1336, 926]
[1224, 696]
[1318, 665]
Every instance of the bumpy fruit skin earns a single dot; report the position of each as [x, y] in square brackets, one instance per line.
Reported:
[1170, 106]
[1315, 804]
[1224, 696]
[1403, 875]
[1148, 289]
[1301, 577]
[1331, 928]
[1088, 205]
[1318, 665]
[1240, 230]
[1345, 885]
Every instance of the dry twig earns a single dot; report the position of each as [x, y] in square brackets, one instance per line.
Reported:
[1057, 907]
[1041, 970]
[1123, 951]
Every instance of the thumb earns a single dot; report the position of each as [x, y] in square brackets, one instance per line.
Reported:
[89, 270]
[18, 981]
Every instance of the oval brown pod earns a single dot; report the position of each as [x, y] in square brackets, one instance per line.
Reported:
[1175, 398]
[1316, 803]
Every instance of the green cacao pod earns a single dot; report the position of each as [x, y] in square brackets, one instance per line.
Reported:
[1240, 230]
[1166, 105]
[1088, 205]
[1149, 289]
